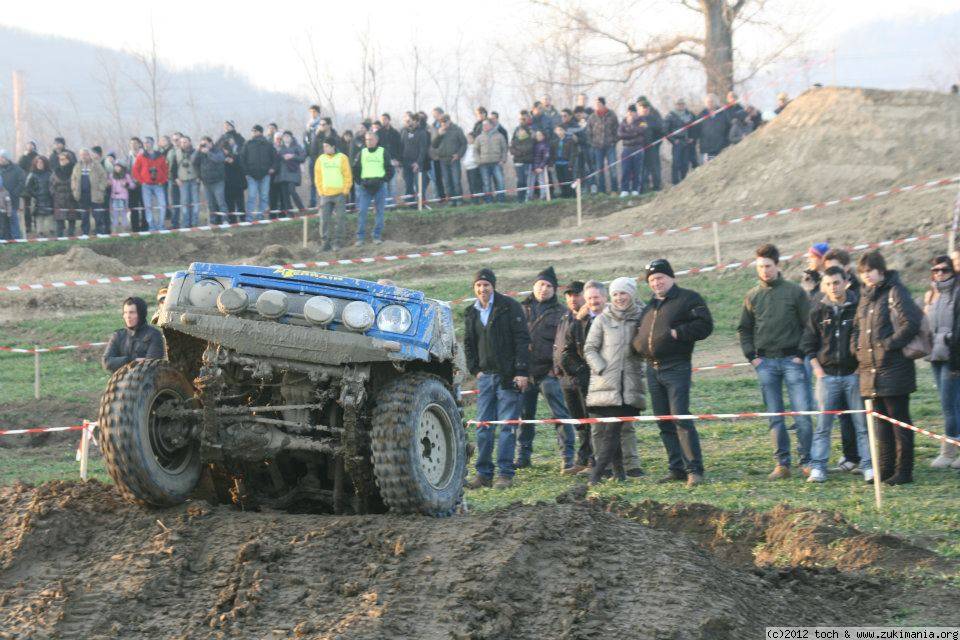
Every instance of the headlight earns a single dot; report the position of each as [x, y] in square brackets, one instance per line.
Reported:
[233, 300]
[319, 309]
[394, 318]
[358, 316]
[272, 304]
[204, 293]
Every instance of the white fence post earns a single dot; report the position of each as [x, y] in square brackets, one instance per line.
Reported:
[874, 456]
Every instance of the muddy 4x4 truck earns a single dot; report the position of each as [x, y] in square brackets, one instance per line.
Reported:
[294, 390]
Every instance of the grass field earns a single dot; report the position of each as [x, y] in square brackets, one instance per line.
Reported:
[738, 455]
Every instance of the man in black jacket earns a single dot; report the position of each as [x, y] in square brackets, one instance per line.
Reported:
[543, 314]
[670, 325]
[826, 340]
[713, 132]
[414, 145]
[138, 340]
[572, 369]
[257, 158]
[651, 159]
[497, 349]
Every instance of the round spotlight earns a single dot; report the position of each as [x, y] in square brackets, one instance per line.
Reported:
[272, 304]
[233, 300]
[319, 310]
[358, 316]
[204, 293]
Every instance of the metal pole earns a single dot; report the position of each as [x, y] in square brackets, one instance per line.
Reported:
[19, 113]
[579, 203]
[36, 371]
[306, 229]
[716, 242]
[419, 190]
[874, 456]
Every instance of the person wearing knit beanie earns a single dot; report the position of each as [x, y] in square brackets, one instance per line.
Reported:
[624, 284]
[547, 275]
[486, 274]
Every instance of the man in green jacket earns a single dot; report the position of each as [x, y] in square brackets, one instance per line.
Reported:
[771, 324]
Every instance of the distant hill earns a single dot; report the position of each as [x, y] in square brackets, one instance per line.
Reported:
[88, 94]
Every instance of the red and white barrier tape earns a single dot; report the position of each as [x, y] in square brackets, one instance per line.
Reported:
[63, 347]
[516, 246]
[746, 263]
[17, 432]
[898, 423]
[704, 416]
[712, 367]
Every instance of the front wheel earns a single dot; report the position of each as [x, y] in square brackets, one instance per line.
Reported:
[150, 452]
[419, 446]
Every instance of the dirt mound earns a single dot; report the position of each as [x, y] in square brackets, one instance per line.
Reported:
[77, 562]
[783, 536]
[829, 142]
[77, 263]
[272, 254]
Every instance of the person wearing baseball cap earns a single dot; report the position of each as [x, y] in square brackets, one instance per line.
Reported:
[670, 325]
[543, 314]
[497, 349]
[571, 369]
[811, 275]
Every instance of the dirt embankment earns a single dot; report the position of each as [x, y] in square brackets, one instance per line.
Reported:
[77, 562]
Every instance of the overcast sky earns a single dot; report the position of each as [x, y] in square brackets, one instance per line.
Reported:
[262, 43]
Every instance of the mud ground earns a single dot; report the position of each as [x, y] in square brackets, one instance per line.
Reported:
[78, 562]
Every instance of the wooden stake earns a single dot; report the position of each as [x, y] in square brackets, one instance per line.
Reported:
[579, 188]
[874, 455]
[419, 190]
[85, 436]
[955, 223]
[306, 230]
[19, 113]
[36, 371]
[716, 243]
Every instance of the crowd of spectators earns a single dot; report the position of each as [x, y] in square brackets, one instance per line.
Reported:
[842, 337]
[160, 183]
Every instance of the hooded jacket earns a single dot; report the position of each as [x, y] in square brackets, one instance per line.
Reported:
[151, 168]
[127, 345]
[521, 146]
[37, 188]
[289, 170]
[61, 192]
[414, 144]
[880, 335]
[616, 370]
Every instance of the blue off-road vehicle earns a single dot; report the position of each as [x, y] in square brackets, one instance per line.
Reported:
[292, 389]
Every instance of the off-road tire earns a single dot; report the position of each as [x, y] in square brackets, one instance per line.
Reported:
[397, 414]
[125, 434]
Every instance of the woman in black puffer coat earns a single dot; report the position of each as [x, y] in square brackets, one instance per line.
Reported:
[887, 320]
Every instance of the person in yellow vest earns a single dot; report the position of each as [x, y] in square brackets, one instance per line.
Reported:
[333, 179]
[372, 170]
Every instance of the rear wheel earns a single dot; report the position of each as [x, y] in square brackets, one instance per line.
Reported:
[419, 446]
[153, 456]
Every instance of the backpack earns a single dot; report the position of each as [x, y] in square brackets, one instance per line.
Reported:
[922, 344]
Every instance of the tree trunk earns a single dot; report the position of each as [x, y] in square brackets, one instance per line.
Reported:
[718, 47]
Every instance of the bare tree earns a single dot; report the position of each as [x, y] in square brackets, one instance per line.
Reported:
[319, 77]
[447, 78]
[109, 80]
[368, 83]
[152, 84]
[712, 47]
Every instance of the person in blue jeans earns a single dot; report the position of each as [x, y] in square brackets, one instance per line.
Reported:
[826, 342]
[543, 313]
[941, 309]
[372, 170]
[774, 315]
[497, 347]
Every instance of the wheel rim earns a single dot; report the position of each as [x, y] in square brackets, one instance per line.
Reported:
[435, 445]
[170, 450]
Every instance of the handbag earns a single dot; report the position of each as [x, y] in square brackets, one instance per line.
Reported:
[922, 344]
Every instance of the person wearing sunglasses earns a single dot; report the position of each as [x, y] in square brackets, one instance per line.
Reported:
[941, 310]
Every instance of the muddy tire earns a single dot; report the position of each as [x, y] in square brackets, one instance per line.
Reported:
[419, 446]
[146, 455]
